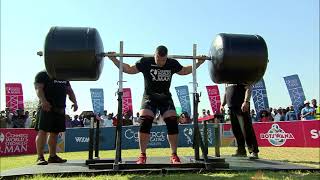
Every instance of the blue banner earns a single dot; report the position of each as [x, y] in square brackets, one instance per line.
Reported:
[77, 139]
[97, 100]
[259, 96]
[295, 91]
[184, 98]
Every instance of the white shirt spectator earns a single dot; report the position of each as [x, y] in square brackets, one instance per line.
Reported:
[106, 121]
[277, 117]
[28, 123]
[136, 121]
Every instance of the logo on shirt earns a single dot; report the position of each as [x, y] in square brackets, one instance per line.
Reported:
[60, 82]
[160, 75]
[276, 136]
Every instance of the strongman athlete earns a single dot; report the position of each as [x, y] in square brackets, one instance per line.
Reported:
[51, 114]
[157, 72]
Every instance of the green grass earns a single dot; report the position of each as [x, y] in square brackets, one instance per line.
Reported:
[302, 156]
[188, 176]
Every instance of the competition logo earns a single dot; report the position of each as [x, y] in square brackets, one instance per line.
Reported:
[276, 136]
[188, 133]
[160, 75]
[156, 138]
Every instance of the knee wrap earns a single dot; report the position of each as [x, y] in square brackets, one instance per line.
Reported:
[146, 124]
[172, 125]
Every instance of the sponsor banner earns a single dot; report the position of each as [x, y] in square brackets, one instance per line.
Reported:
[184, 98]
[77, 139]
[158, 136]
[259, 96]
[295, 91]
[127, 101]
[17, 141]
[227, 137]
[14, 96]
[97, 100]
[214, 98]
[281, 134]
[311, 129]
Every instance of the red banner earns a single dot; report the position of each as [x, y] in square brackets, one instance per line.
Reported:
[285, 134]
[214, 98]
[17, 141]
[281, 134]
[126, 101]
[311, 130]
[14, 96]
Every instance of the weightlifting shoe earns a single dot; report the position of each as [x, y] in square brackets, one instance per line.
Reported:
[142, 159]
[174, 159]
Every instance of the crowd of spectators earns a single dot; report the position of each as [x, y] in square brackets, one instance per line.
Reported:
[17, 119]
[23, 119]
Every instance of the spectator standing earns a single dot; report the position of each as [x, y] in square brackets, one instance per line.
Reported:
[68, 121]
[253, 116]
[19, 119]
[3, 123]
[291, 115]
[108, 120]
[9, 117]
[277, 117]
[76, 121]
[314, 107]
[204, 114]
[28, 122]
[307, 113]
[136, 120]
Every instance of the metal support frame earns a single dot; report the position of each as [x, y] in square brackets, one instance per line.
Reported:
[40, 53]
[198, 142]
[91, 141]
[151, 55]
[117, 163]
[97, 141]
[119, 122]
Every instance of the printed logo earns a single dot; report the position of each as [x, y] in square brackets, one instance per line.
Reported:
[315, 134]
[160, 75]
[81, 139]
[156, 138]
[60, 82]
[14, 143]
[188, 133]
[276, 136]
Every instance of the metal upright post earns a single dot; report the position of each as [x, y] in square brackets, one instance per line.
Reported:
[217, 139]
[97, 141]
[119, 124]
[91, 138]
[195, 106]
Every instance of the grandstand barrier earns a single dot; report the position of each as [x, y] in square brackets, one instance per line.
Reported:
[269, 134]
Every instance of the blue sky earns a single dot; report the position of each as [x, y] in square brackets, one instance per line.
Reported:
[290, 28]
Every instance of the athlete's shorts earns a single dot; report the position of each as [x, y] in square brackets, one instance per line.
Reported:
[52, 121]
[159, 102]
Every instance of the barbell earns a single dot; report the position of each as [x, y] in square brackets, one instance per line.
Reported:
[76, 53]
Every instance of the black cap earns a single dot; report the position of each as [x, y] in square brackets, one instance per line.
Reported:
[162, 51]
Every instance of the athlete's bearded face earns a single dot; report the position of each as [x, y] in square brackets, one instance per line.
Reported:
[160, 60]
